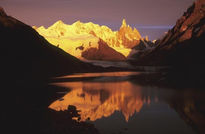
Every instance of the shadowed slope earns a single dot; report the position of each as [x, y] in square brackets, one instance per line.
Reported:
[26, 60]
[182, 48]
[184, 43]
[104, 52]
[24, 53]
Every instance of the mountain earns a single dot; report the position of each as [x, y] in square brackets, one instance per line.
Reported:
[184, 43]
[182, 49]
[138, 50]
[127, 36]
[103, 52]
[26, 54]
[88, 35]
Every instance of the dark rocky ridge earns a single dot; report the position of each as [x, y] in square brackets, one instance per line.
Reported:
[141, 48]
[103, 52]
[184, 43]
[182, 48]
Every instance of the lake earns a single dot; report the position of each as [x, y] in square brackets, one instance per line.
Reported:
[116, 104]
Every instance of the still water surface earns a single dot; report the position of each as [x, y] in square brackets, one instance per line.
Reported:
[117, 105]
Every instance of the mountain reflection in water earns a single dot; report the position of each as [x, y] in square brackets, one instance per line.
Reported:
[106, 96]
[97, 100]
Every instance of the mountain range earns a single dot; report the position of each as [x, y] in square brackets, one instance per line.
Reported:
[89, 41]
[80, 38]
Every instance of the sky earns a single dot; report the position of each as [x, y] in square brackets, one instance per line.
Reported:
[150, 17]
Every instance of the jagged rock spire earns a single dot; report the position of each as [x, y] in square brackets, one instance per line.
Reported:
[124, 24]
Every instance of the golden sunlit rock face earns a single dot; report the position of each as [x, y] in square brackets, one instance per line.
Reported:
[97, 100]
[79, 37]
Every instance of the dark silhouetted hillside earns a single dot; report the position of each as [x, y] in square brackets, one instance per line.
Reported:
[182, 48]
[24, 53]
[27, 59]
